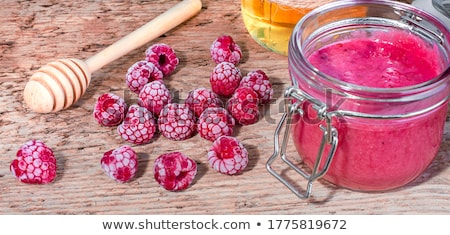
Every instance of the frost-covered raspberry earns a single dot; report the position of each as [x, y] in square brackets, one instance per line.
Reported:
[163, 56]
[176, 121]
[215, 122]
[174, 171]
[243, 106]
[154, 96]
[139, 125]
[228, 155]
[225, 49]
[141, 73]
[259, 82]
[201, 98]
[35, 163]
[225, 78]
[120, 164]
[109, 110]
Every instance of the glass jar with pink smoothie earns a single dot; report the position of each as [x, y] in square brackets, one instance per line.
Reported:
[369, 99]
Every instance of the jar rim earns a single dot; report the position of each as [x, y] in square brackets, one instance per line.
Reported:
[360, 91]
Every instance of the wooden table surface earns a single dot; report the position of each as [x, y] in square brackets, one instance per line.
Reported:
[33, 33]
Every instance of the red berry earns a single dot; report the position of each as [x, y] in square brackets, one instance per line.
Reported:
[215, 122]
[109, 110]
[174, 171]
[141, 73]
[139, 125]
[224, 49]
[176, 122]
[120, 164]
[225, 78]
[259, 82]
[243, 106]
[35, 163]
[163, 56]
[154, 96]
[201, 98]
[228, 156]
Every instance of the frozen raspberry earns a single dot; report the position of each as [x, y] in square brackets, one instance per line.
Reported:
[228, 156]
[35, 163]
[154, 96]
[225, 78]
[215, 122]
[224, 49]
[141, 73]
[163, 56]
[259, 82]
[109, 110]
[120, 164]
[201, 98]
[243, 106]
[139, 125]
[174, 171]
[176, 122]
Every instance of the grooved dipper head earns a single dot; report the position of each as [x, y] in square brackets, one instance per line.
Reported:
[57, 85]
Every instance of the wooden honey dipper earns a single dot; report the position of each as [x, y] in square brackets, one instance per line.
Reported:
[59, 84]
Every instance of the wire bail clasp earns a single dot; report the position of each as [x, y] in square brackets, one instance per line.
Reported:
[330, 136]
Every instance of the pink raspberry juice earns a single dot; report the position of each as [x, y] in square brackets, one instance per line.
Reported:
[376, 154]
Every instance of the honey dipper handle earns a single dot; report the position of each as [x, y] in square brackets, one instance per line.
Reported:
[151, 30]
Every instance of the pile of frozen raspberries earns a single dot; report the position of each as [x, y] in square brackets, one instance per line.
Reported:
[212, 112]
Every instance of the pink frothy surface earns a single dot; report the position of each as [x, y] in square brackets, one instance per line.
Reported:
[384, 60]
[374, 155]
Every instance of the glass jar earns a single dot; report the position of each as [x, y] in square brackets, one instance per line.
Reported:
[270, 22]
[355, 127]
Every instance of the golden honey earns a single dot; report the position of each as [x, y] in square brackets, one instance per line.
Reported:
[271, 23]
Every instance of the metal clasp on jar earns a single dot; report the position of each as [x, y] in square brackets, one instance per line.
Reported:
[294, 98]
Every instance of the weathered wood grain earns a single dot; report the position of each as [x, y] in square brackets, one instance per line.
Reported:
[34, 33]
